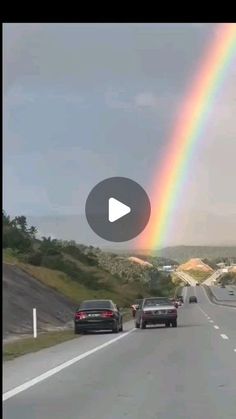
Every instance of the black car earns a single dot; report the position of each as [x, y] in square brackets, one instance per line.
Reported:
[94, 315]
[156, 310]
[192, 299]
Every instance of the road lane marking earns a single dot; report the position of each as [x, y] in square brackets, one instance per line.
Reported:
[205, 314]
[216, 327]
[235, 350]
[53, 371]
[224, 336]
[185, 294]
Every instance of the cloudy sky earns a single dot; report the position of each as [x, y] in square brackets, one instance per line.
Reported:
[84, 102]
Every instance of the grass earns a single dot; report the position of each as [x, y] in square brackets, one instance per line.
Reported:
[122, 294]
[9, 256]
[26, 345]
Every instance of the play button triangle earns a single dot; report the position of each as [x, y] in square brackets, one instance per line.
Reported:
[117, 210]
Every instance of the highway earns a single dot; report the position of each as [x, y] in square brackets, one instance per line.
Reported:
[183, 373]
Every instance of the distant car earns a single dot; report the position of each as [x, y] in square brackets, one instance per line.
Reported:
[156, 310]
[231, 292]
[192, 299]
[94, 315]
[222, 285]
[197, 284]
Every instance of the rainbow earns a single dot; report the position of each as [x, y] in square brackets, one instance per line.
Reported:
[188, 129]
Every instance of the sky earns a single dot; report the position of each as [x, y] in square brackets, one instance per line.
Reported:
[84, 102]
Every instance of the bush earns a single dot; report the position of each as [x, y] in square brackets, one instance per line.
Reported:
[90, 259]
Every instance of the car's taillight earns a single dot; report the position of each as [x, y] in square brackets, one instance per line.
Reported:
[80, 315]
[172, 311]
[107, 314]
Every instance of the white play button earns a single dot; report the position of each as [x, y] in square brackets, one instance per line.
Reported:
[117, 210]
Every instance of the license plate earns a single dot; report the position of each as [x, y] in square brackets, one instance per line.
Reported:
[93, 315]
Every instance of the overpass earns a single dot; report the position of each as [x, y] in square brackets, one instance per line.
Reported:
[186, 278]
[212, 279]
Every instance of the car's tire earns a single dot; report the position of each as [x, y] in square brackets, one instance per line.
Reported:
[174, 323]
[76, 330]
[115, 328]
[121, 327]
[167, 324]
[142, 324]
[137, 325]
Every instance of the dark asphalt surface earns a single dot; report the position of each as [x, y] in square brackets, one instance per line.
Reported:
[183, 373]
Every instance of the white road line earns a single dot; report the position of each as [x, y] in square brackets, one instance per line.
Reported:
[185, 294]
[216, 327]
[205, 314]
[224, 336]
[61, 367]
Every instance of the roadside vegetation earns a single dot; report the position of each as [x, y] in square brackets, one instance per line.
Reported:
[77, 271]
[26, 345]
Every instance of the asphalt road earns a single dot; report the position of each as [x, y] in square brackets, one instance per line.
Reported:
[183, 373]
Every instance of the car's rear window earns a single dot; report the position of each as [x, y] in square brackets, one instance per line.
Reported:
[156, 302]
[93, 304]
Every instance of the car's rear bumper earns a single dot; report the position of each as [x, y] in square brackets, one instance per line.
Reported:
[160, 319]
[95, 325]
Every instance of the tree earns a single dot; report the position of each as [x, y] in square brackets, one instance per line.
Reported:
[5, 218]
[20, 222]
[32, 231]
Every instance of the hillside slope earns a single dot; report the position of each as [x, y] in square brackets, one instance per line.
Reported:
[195, 264]
[21, 294]
[183, 253]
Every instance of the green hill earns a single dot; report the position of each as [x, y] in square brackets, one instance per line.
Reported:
[183, 253]
[79, 271]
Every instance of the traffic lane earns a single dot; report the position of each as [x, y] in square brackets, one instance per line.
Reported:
[172, 373]
[223, 293]
[221, 316]
[26, 367]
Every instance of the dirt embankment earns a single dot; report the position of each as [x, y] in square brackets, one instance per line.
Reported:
[195, 264]
[21, 293]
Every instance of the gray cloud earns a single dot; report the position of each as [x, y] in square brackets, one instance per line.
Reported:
[83, 102]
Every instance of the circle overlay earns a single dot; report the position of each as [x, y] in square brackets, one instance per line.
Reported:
[127, 192]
